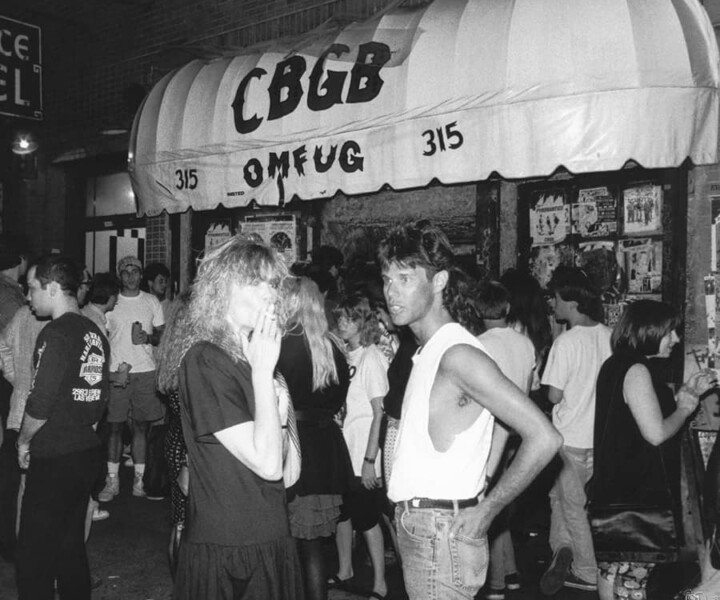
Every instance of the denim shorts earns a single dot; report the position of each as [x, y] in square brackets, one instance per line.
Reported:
[140, 396]
[436, 566]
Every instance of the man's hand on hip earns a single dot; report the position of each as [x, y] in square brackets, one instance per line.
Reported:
[472, 522]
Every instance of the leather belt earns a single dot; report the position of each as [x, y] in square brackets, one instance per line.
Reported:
[440, 504]
[313, 415]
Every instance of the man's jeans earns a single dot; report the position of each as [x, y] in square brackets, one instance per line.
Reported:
[51, 543]
[9, 486]
[569, 525]
[436, 567]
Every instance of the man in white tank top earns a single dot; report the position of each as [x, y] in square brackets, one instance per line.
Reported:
[454, 393]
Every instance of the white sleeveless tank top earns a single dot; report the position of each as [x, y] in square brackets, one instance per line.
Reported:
[419, 470]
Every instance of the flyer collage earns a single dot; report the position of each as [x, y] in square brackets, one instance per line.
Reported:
[614, 233]
[278, 230]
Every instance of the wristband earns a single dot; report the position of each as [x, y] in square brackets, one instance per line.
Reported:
[370, 461]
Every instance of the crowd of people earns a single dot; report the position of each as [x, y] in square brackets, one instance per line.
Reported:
[405, 401]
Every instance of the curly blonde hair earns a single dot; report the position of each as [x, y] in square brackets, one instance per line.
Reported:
[242, 261]
[357, 308]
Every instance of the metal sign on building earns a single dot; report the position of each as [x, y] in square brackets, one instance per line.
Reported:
[20, 69]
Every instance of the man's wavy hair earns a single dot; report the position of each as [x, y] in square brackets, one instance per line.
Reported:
[427, 247]
[241, 260]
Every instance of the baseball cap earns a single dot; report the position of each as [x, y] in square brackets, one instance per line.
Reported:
[128, 261]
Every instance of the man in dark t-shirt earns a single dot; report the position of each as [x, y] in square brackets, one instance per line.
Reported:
[57, 442]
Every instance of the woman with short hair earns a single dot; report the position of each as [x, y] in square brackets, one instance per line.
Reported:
[636, 449]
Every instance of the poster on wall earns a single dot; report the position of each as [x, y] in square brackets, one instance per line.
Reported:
[643, 265]
[598, 259]
[642, 210]
[549, 217]
[714, 232]
[544, 260]
[613, 311]
[595, 213]
[217, 234]
[279, 231]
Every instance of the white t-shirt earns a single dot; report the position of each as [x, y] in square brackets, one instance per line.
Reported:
[572, 366]
[513, 352]
[420, 470]
[144, 308]
[97, 316]
[368, 380]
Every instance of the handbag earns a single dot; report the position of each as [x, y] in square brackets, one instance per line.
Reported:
[634, 532]
[623, 532]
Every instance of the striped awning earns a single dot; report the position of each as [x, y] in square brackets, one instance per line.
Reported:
[453, 91]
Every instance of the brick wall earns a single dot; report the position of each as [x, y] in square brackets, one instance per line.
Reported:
[157, 240]
[99, 58]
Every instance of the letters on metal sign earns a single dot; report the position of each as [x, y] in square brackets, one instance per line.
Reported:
[20, 69]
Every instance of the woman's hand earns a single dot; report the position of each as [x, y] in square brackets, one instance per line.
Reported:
[369, 478]
[688, 396]
[702, 381]
[263, 348]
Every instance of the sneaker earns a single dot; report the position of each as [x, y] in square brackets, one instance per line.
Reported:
[99, 514]
[495, 594]
[138, 488]
[573, 581]
[554, 578]
[512, 581]
[128, 462]
[111, 489]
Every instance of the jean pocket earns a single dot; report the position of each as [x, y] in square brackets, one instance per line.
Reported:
[469, 560]
[417, 525]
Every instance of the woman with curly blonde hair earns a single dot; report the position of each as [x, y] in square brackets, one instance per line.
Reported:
[237, 542]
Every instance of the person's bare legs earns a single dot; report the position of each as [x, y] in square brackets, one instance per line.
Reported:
[92, 505]
[174, 548]
[112, 480]
[390, 526]
[139, 441]
[605, 588]
[343, 542]
[376, 549]
[315, 575]
[115, 442]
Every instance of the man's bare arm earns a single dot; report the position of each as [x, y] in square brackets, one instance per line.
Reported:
[478, 377]
[554, 394]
